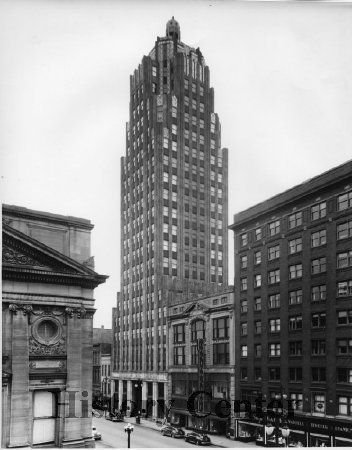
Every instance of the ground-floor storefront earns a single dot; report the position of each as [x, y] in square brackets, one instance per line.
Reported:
[300, 431]
[210, 424]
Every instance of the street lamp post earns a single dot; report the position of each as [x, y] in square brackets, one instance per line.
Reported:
[128, 429]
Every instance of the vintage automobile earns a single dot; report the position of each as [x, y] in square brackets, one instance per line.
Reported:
[172, 431]
[114, 417]
[198, 438]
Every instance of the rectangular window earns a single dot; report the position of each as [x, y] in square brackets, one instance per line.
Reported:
[244, 239]
[345, 405]
[221, 353]
[274, 349]
[318, 347]
[295, 297]
[344, 375]
[319, 403]
[244, 306]
[274, 301]
[344, 288]
[257, 374]
[257, 258]
[318, 293]
[274, 228]
[344, 259]
[296, 400]
[258, 350]
[244, 261]
[274, 252]
[274, 276]
[318, 211]
[344, 230]
[258, 327]
[295, 220]
[344, 201]
[179, 333]
[244, 328]
[244, 351]
[344, 317]
[295, 245]
[295, 348]
[257, 280]
[295, 271]
[274, 325]
[344, 347]
[243, 284]
[244, 374]
[257, 304]
[295, 323]
[318, 265]
[179, 356]
[318, 320]
[318, 238]
[221, 328]
[295, 374]
[274, 373]
[194, 355]
[318, 374]
[258, 234]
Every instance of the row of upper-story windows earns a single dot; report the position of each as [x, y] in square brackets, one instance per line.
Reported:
[220, 330]
[221, 354]
[295, 271]
[318, 238]
[318, 320]
[317, 211]
[343, 348]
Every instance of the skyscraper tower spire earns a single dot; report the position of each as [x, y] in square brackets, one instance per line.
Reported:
[173, 209]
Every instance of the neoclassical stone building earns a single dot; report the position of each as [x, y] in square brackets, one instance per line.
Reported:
[47, 329]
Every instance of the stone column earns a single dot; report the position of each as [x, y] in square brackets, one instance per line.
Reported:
[120, 394]
[129, 396]
[72, 423]
[85, 395]
[112, 395]
[155, 400]
[20, 420]
[144, 395]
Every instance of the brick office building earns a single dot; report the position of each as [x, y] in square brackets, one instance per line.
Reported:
[293, 295]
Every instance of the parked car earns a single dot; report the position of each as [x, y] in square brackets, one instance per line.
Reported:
[96, 434]
[170, 430]
[114, 417]
[198, 438]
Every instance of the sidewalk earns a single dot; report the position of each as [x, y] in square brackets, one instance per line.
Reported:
[217, 441]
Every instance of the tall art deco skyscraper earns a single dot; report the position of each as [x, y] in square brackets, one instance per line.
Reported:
[173, 210]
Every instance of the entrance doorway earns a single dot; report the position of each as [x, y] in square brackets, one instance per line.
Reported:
[44, 417]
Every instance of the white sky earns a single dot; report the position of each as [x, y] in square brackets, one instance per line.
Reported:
[282, 74]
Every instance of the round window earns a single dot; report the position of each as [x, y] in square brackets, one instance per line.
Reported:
[47, 331]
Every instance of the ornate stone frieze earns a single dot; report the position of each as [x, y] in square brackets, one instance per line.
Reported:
[35, 348]
[25, 308]
[11, 256]
[48, 311]
[79, 312]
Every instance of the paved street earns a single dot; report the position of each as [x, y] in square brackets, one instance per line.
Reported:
[114, 436]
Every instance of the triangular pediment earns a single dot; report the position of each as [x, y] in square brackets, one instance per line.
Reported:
[23, 255]
[196, 309]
